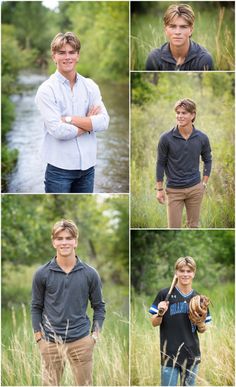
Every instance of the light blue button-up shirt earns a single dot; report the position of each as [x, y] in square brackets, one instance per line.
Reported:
[62, 147]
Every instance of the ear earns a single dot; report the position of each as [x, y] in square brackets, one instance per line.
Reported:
[54, 59]
[53, 243]
[191, 31]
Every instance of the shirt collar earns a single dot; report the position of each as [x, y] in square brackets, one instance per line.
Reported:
[167, 56]
[176, 132]
[54, 266]
[62, 79]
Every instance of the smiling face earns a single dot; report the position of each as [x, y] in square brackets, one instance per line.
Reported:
[185, 276]
[66, 59]
[183, 117]
[64, 243]
[178, 31]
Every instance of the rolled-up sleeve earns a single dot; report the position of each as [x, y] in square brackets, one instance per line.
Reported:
[100, 121]
[51, 114]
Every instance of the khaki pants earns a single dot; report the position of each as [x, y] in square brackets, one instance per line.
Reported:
[80, 355]
[191, 198]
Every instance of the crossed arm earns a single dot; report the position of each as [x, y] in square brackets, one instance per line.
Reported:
[84, 124]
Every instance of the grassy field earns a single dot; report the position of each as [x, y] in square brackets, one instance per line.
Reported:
[20, 355]
[215, 117]
[217, 344]
[147, 34]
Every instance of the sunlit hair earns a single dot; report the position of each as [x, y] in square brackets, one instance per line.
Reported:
[183, 10]
[63, 225]
[61, 39]
[188, 104]
[185, 261]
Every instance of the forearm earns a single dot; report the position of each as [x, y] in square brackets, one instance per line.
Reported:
[156, 320]
[84, 123]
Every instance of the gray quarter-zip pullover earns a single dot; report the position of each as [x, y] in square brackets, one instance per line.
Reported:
[60, 300]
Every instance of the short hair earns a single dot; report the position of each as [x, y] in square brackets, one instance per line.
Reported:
[65, 224]
[183, 10]
[187, 104]
[68, 38]
[186, 261]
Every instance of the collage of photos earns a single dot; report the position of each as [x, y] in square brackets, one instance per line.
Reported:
[118, 193]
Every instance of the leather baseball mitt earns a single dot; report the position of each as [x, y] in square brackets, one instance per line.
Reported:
[198, 310]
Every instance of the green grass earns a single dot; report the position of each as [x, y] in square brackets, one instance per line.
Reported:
[20, 354]
[147, 34]
[217, 344]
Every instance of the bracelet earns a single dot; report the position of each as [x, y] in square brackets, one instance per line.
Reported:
[159, 189]
[38, 339]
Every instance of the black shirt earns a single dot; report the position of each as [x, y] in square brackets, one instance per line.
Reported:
[161, 59]
[178, 336]
[179, 158]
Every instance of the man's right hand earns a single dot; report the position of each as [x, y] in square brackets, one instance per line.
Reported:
[164, 306]
[161, 197]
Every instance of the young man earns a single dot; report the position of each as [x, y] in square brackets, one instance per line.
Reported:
[181, 53]
[73, 111]
[60, 294]
[179, 343]
[179, 151]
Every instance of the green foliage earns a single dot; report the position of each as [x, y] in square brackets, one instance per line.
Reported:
[213, 94]
[154, 253]
[105, 40]
[9, 159]
[214, 29]
[103, 225]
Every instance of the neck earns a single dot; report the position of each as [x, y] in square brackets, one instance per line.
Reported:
[185, 131]
[180, 53]
[71, 76]
[185, 289]
[68, 261]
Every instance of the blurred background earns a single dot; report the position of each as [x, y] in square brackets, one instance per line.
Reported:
[28, 28]
[26, 244]
[152, 113]
[214, 30]
[153, 255]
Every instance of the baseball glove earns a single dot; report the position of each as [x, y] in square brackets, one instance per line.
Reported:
[198, 310]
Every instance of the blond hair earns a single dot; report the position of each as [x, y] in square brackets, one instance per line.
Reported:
[61, 39]
[186, 261]
[183, 10]
[187, 104]
[63, 225]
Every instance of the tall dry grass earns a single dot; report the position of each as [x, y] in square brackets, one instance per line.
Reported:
[217, 347]
[21, 365]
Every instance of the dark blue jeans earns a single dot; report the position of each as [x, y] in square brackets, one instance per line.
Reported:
[59, 180]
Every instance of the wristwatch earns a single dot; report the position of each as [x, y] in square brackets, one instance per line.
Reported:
[68, 119]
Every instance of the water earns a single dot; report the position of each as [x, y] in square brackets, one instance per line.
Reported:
[112, 169]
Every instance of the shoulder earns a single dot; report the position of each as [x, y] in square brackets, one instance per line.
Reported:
[204, 56]
[90, 271]
[154, 59]
[48, 85]
[42, 271]
[165, 136]
[202, 135]
[88, 83]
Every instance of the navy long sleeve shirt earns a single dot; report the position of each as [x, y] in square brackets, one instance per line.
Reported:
[179, 159]
[60, 301]
[161, 59]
